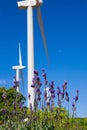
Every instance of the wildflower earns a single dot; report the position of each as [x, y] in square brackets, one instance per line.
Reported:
[48, 103]
[67, 96]
[29, 96]
[15, 87]
[39, 98]
[44, 74]
[35, 72]
[59, 94]
[58, 91]
[51, 89]
[64, 86]
[45, 95]
[40, 84]
[4, 111]
[62, 95]
[16, 84]
[53, 95]
[66, 93]
[73, 106]
[38, 79]
[32, 85]
[21, 105]
[76, 98]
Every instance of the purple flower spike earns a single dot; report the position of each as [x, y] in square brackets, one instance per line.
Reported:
[29, 96]
[53, 95]
[15, 87]
[67, 98]
[58, 91]
[36, 72]
[39, 98]
[21, 105]
[45, 94]
[38, 90]
[48, 103]
[73, 107]
[40, 84]
[38, 79]
[76, 98]
[32, 85]
[66, 93]
[73, 104]
[62, 95]
[44, 75]
[4, 111]
[64, 86]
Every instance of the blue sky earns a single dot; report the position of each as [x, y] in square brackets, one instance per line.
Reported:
[65, 23]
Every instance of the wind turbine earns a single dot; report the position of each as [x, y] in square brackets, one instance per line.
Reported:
[29, 5]
[19, 68]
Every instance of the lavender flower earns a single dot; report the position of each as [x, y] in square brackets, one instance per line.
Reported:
[16, 84]
[29, 96]
[4, 111]
[64, 86]
[73, 107]
[76, 98]
[48, 103]
[67, 96]
[21, 105]
[58, 91]
[32, 85]
[59, 95]
[51, 89]
[52, 94]
[36, 85]
[35, 72]
[44, 76]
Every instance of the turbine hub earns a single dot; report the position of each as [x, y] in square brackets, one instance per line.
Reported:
[26, 3]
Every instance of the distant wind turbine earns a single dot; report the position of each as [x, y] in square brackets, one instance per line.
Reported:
[29, 5]
[19, 68]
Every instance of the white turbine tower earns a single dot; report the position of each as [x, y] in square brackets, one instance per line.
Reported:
[18, 69]
[29, 5]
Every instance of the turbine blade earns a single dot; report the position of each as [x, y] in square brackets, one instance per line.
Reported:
[22, 77]
[20, 57]
[40, 22]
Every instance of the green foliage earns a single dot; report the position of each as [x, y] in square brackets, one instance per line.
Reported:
[45, 119]
[6, 104]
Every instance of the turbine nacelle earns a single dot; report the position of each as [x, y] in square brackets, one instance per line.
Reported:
[18, 67]
[26, 3]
